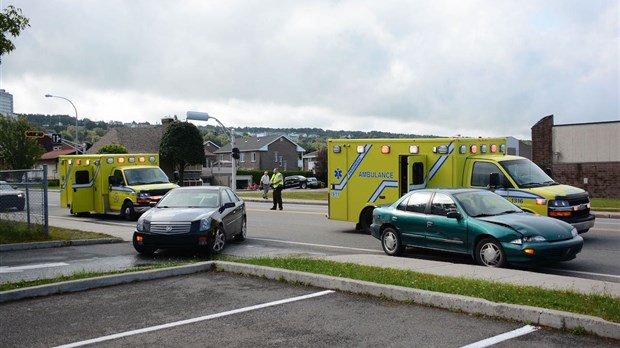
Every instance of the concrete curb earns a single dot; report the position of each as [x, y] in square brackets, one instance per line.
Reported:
[539, 316]
[57, 243]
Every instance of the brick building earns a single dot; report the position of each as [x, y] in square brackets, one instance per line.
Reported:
[585, 155]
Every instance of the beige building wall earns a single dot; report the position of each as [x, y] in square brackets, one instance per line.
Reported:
[579, 143]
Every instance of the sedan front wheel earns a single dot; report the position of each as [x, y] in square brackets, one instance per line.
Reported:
[219, 241]
[490, 253]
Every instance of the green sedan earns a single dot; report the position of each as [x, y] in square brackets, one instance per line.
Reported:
[476, 222]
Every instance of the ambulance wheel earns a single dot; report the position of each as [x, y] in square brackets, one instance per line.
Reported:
[129, 212]
[366, 220]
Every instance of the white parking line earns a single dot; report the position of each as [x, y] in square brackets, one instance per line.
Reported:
[7, 269]
[503, 337]
[195, 320]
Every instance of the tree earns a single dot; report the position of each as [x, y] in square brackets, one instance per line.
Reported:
[112, 148]
[11, 22]
[320, 165]
[181, 145]
[17, 151]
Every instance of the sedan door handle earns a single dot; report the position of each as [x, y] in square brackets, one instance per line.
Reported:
[429, 223]
[394, 218]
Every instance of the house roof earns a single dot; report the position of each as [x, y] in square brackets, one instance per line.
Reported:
[312, 154]
[256, 144]
[136, 140]
[50, 155]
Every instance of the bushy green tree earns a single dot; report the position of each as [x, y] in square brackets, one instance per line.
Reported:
[12, 23]
[112, 148]
[17, 151]
[181, 145]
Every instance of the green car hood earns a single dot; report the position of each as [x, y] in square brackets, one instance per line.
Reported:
[531, 225]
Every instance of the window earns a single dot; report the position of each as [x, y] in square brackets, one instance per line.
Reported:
[418, 201]
[82, 177]
[442, 204]
[417, 173]
[242, 157]
[253, 156]
[276, 156]
[118, 178]
[481, 172]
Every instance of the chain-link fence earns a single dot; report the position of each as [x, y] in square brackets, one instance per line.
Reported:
[23, 202]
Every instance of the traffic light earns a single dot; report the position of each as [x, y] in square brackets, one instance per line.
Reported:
[34, 134]
[235, 153]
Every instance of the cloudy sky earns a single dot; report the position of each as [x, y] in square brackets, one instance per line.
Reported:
[441, 67]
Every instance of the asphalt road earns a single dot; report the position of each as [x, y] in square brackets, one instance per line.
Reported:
[297, 230]
[215, 309]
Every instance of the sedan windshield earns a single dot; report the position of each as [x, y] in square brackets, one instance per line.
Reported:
[485, 203]
[527, 174]
[190, 199]
[145, 176]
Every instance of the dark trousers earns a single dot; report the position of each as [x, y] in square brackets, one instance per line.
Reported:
[277, 197]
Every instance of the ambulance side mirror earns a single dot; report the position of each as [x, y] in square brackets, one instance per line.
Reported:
[493, 181]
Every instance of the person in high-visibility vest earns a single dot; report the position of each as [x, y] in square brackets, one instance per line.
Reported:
[277, 182]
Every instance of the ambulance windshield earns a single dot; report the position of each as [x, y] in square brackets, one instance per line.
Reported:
[145, 176]
[527, 174]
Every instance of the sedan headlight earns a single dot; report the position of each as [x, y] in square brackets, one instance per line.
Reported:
[574, 232]
[140, 226]
[531, 239]
[205, 224]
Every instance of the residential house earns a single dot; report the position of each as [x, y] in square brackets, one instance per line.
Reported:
[264, 153]
[309, 161]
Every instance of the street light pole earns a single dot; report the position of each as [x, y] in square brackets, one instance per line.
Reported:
[77, 143]
[203, 116]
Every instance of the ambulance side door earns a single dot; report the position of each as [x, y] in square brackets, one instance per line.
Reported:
[117, 191]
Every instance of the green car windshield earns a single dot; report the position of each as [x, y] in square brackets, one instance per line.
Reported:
[484, 203]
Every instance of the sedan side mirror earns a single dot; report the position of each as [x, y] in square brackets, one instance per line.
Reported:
[453, 214]
[226, 206]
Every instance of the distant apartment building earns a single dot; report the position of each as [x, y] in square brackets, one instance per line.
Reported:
[6, 103]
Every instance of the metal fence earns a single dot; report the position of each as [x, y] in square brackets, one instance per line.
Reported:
[23, 201]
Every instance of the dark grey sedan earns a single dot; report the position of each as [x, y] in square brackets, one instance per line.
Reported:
[201, 217]
[11, 197]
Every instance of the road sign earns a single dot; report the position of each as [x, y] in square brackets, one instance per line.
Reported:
[56, 138]
[34, 134]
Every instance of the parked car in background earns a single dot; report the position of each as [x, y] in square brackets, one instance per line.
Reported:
[199, 217]
[296, 181]
[11, 197]
[476, 222]
[313, 183]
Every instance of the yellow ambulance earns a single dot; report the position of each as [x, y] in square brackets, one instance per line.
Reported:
[366, 173]
[123, 184]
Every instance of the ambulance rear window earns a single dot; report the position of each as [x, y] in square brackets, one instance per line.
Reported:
[82, 177]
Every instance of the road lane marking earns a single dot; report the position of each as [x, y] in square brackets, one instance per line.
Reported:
[503, 337]
[316, 245]
[288, 211]
[7, 269]
[194, 320]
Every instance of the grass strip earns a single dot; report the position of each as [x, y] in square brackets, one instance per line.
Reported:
[602, 306]
[19, 232]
